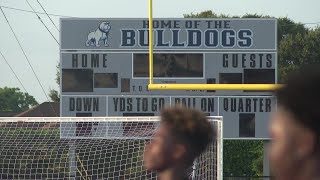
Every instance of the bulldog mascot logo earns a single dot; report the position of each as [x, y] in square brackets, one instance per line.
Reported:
[101, 34]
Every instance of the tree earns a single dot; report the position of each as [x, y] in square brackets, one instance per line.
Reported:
[288, 27]
[11, 99]
[205, 14]
[298, 49]
[242, 158]
[255, 16]
[54, 94]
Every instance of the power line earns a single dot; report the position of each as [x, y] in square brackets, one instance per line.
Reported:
[13, 72]
[25, 55]
[48, 16]
[43, 23]
[59, 15]
[23, 10]
[16, 77]
[296, 24]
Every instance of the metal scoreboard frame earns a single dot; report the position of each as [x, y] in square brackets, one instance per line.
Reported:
[104, 68]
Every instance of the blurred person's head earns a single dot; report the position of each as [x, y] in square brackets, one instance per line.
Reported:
[295, 127]
[183, 135]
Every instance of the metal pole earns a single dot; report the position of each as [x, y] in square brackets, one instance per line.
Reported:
[72, 161]
[269, 87]
[150, 44]
[194, 169]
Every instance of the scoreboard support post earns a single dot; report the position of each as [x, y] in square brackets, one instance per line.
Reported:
[266, 164]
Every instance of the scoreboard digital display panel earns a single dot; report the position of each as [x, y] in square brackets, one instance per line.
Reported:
[105, 68]
[125, 73]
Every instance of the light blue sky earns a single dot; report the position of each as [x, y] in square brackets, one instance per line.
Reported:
[43, 51]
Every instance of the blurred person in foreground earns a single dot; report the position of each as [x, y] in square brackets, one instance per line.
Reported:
[182, 136]
[295, 127]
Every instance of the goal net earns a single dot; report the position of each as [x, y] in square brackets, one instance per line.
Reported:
[89, 149]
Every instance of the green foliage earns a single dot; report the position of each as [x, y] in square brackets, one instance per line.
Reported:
[255, 16]
[211, 14]
[120, 158]
[54, 95]
[33, 153]
[58, 74]
[12, 99]
[242, 158]
[287, 27]
[205, 14]
[296, 50]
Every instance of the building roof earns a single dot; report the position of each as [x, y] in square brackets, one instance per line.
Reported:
[8, 113]
[46, 109]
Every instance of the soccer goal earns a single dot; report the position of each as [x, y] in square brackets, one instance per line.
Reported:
[89, 148]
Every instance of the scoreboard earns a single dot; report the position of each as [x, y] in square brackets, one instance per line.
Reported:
[105, 68]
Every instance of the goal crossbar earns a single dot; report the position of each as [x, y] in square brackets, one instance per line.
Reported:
[82, 119]
[85, 119]
[214, 86]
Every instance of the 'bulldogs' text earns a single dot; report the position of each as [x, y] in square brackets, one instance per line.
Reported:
[210, 38]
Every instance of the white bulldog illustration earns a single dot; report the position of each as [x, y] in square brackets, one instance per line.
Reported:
[101, 34]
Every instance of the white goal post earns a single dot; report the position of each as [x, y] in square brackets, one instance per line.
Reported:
[92, 148]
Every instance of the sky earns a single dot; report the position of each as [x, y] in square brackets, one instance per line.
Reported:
[43, 51]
